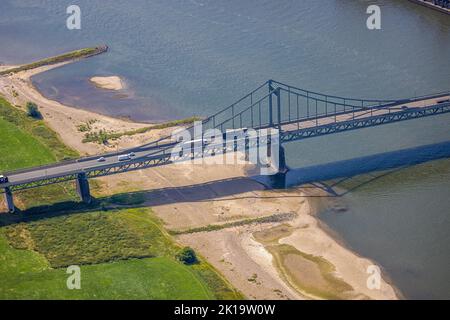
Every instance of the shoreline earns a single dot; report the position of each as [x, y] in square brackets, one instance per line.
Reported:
[343, 243]
[431, 5]
[69, 121]
[18, 89]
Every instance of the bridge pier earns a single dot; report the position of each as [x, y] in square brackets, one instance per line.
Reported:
[83, 188]
[279, 179]
[9, 200]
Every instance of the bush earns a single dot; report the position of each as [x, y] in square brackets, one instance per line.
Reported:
[33, 110]
[187, 256]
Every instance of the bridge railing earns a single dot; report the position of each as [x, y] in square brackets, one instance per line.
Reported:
[286, 104]
[256, 115]
[223, 114]
[164, 142]
[348, 102]
[300, 108]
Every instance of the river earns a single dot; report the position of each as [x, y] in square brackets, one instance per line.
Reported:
[180, 58]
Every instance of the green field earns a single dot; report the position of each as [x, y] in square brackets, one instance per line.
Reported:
[27, 151]
[27, 142]
[32, 132]
[27, 275]
[123, 253]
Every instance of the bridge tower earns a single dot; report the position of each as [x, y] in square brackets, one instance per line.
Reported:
[9, 200]
[83, 188]
[279, 179]
[271, 89]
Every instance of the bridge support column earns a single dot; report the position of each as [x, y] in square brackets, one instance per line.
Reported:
[279, 179]
[9, 200]
[83, 188]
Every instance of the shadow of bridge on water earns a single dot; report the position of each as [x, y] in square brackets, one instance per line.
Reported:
[329, 177]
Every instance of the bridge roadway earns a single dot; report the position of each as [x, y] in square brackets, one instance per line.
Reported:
[147, 154]
[311, 127]
[71, 168]
[154, 154]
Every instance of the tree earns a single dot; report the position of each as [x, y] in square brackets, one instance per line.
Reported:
[187, 256]
[33, 110]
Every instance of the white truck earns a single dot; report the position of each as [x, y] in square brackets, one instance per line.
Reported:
[124, 157]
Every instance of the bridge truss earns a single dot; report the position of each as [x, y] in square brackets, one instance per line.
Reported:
[296, 113]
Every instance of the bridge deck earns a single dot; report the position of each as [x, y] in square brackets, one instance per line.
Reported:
[362, 114]
[158, 153]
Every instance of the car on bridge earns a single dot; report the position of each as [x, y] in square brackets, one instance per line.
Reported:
[3, 179]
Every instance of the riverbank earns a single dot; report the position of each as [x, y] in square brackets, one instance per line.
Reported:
[66, 57]
[194, 196]
[73, 124]
[433, 6]
[212, 207]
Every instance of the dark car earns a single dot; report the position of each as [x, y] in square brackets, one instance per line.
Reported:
[3, 179]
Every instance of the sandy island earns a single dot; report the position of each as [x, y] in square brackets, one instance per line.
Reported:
[109, 83]
[291, 259]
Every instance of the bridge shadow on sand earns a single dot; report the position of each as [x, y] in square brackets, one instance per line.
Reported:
[329, 177]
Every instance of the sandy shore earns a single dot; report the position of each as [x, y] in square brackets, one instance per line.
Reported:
[186, 196]
[109, 83]
[66, 121]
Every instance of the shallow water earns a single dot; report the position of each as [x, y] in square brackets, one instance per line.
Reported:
[401, 219]
[180, 58]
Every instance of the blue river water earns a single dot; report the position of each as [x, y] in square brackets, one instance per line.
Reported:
[180, 58]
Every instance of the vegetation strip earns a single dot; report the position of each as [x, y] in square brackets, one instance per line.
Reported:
[77, 54]
[103, 136]
[279, 217]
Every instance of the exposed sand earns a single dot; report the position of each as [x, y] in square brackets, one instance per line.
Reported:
[186, 196]
[6, 67]
[109, 83]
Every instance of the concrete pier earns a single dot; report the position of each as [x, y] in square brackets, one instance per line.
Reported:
[9, 200]
[83, 188]
[279, 179]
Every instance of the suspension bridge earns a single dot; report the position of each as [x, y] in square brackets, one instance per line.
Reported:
[295, 113]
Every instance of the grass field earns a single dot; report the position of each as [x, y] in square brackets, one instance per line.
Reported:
[123, 253]
[27, 142]
[31, 130]
[27, 151]
[26, 274]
